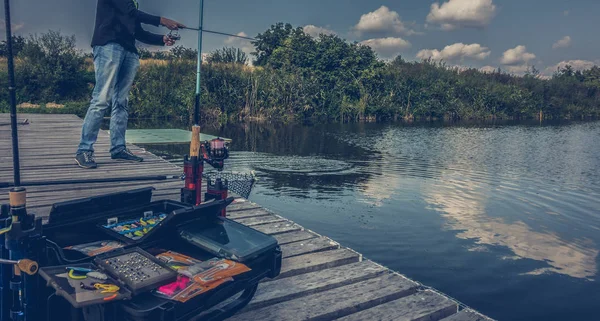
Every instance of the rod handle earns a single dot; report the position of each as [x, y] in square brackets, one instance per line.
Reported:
[195, 142]
[28, 266]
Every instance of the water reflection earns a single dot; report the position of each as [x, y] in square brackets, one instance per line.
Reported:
[463, 203]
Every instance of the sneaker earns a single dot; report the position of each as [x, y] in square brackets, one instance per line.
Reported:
[126, 155]
[86, 160]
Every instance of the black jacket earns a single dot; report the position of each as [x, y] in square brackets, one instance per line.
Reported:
[120, 21]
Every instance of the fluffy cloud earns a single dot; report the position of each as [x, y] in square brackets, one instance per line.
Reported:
[576, 64]
[236, 40]
[455, 52]
[562, 43]
[315, 31]
[517, 56]
[387, 47]
[382, 20]
[488, 69]
[456, 14]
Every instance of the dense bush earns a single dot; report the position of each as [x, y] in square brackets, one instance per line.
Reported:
[295, 76]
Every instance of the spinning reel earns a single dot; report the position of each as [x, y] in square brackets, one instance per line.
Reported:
[174, 36]
[215, 152]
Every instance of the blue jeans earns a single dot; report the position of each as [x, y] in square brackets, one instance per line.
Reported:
[115, 71]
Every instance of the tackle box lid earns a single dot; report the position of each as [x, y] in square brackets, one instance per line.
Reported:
[90, 207]
[170, 223]
[228, 239]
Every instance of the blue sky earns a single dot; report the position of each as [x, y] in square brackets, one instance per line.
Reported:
[511, 34]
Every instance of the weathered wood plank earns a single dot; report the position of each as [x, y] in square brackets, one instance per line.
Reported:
[291, 237]
[422, 306]
[467, 315]
[337, 302]
[317, 261]
[305, 284]
[309, 246]
[278, 228]
[260, 220]
[238, 215]
[244, 205]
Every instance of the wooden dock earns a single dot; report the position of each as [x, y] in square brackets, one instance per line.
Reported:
[320, 279]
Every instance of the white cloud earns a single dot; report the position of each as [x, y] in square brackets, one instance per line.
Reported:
[387, 47]
[382, 20]
[235, 40]
[517, 56]
[14, 26]
[488, 69]
[457, 51]
[315, 31]
[562, 43]
[456, 14]
[576, 64]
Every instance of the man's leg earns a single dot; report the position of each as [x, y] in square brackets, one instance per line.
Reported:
[120, 108]
[107, 62]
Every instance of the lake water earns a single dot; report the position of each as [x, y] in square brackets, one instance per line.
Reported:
[503, 217]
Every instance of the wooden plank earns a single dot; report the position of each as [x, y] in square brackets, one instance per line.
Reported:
[422, 306]
[305, 284]
[309, 246]
[260, 220]
[291, 237]
[243, 205]
[467, 315]
[278, 228]
[337, 302]
[238, 215]
[317, 261]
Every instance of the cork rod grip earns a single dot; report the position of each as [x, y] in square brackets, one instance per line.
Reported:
[28, 266]
[17, 197]
[195, 143]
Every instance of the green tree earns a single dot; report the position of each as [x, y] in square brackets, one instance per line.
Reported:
[18, 43]
[52, 69]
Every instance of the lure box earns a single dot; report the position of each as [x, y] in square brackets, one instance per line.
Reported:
[208, 236]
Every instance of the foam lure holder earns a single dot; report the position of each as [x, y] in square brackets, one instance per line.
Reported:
[135, 229]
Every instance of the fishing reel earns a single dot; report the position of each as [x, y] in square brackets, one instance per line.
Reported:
[174, 36]
[215, 152]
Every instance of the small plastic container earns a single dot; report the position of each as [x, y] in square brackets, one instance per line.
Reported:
[225, 238]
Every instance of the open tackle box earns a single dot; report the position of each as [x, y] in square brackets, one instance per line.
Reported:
[186, 260]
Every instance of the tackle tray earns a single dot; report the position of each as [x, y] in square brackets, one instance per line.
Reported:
[228, 239]
[168, 224]
[120, 263]
[57, 277]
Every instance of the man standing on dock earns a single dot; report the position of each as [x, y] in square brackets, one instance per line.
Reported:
[116, 61]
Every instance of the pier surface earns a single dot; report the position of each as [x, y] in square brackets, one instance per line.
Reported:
[320, 278]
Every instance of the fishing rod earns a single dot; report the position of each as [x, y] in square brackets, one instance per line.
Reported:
[12, 93]
[93, 180]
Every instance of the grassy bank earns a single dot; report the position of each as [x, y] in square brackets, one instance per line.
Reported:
[297, 77]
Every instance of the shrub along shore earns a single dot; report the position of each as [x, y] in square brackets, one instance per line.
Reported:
[295, 77]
